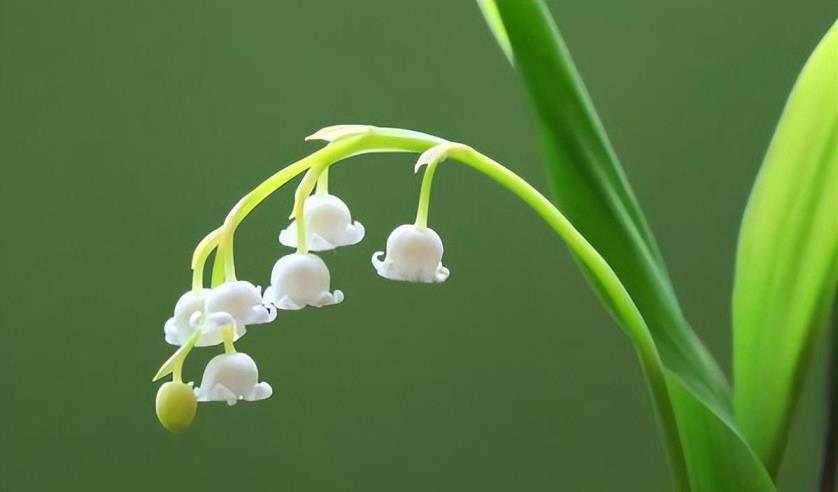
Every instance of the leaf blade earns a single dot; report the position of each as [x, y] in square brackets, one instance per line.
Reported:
[704, 434]
[591, 189]
[787, 256]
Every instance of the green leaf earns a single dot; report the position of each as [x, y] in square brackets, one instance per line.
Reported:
[718, 459]
[787, 259]
[591, 189]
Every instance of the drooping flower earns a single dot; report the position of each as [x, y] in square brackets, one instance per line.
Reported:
[232, 377]
[241, 300]
[328, 225]
[414, 254]
[208, 310]
[300, 280]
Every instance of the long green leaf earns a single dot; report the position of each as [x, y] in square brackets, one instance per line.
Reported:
[591, 189]
[718, 459]
[787, 259]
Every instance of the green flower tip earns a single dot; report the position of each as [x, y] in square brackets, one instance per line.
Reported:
[176, 406]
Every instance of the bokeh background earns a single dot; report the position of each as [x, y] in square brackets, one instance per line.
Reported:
[128, 129]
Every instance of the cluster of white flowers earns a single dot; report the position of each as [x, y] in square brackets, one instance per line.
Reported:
[207, 317]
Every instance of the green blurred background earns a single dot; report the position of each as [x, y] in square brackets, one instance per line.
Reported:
[128, 129]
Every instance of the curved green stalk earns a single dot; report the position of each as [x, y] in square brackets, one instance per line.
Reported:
[174, 364]
[355, 140]
[224, 267]
[425, 195]
[323, 183]
[621, 303]
[199, 257]
[366, 141]
[303, 191]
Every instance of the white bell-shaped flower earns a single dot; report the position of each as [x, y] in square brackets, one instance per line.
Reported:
[241, 300]
[328, 225]
[208, 310]
[300, 280]
[191, 316]
[414, 254]
[232, 377]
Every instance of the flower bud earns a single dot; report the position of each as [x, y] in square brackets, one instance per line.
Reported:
[176, 406]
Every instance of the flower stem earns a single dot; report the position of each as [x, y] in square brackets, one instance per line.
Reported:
[227, 335]
[199, 258]
[396, 140]
[303, 191]
[174, 364]
[425, 195]
[383, 140]
[621, 302]
[323, 182]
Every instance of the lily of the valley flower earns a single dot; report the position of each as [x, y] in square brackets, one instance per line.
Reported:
[241, 300]
[414, 254]
[328, 225]
[236, 303]
[232, 377]
[300, 280]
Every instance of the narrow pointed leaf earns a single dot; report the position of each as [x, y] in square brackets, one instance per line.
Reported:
[589, 186]
[591, 189]
[786, 259]
[718, 459]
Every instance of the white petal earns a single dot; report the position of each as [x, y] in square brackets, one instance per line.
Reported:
[211, 329]
[329, 298]
[260, 392]
[316, 242]
[383, 267]
[442, 273]
[354, 233]
[262, 314]
[377, 262]
[288, 236]
[172, 334]
[217, 392]
[187, 306]
[287, 304]
[269, 297]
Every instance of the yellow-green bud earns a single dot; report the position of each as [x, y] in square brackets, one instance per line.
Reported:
[176, 406]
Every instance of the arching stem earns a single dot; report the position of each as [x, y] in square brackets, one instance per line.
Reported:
[371, 139]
